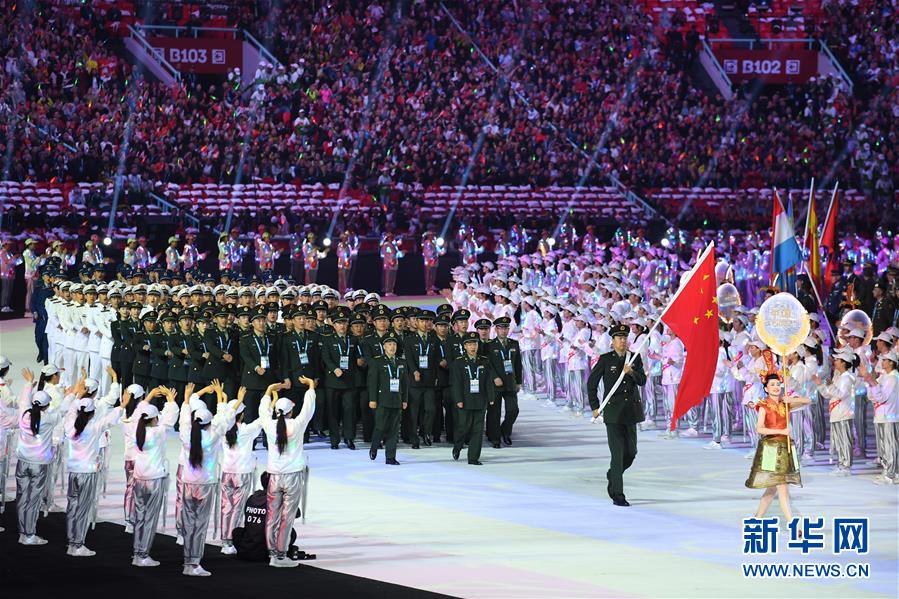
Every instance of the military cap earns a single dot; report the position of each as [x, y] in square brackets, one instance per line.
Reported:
[381, 311]
[462, 314]
[619, 330]
[339, 314]
[482, 323]
[470, 336]
[502, 321]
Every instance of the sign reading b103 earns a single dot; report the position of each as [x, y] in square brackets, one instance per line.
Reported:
[200, 55]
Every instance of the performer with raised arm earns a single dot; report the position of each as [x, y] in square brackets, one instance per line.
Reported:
[286, 465]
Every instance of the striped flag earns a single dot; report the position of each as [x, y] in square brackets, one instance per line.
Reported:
[785, 253]
[813, 268]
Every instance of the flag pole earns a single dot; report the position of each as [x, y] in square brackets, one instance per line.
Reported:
[808, 212]
[633, 356]
[783, 376]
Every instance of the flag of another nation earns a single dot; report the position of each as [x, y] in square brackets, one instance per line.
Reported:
[811, 244]
[784, 247]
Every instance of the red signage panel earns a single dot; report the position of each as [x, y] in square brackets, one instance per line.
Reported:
[203, 55]
[778, 65]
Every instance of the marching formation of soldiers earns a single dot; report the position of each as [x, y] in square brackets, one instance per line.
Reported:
[383, 374]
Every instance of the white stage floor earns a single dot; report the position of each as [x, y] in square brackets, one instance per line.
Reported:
[535, 520]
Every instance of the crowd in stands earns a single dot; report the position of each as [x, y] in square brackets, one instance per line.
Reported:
[413, 99]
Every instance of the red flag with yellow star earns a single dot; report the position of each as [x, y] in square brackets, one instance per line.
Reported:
[692, 315]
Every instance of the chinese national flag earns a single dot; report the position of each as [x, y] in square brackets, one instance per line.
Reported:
[692, 315]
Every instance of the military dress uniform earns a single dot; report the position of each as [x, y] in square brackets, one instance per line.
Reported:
[471, 381]
[255, 352]
[443, 401]
[622, 413]
[421, 354]
[388, 389]
[339, 353]
[143, 356]
[219, 343]
[505, 360]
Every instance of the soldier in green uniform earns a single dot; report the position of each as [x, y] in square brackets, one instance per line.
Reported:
[388, 389]
[421, 355]
[161, 351]
[372, 345]
[339, 357]
[505, 359]
[482, 328]
[142, 350]
[460, 329]
[360, 389]
[623, 412]
[222, 352]
[443, 401]
[199, 352]
[256, 364]
[471, 381]
[179, 363]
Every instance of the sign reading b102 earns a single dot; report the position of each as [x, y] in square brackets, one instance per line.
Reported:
[781, 65]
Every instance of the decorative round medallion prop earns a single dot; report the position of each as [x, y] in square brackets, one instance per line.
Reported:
[782, 323]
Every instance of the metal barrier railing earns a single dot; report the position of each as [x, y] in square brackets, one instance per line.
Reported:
[153, 54]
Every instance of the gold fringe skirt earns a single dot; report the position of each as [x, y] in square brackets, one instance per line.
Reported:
[773, 465]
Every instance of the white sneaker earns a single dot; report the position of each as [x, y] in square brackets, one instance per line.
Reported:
[229, 549]
[81, 552]
[32, 540]
[196, 571]
[712, 445]
[144, 562]
[6, 309]
[725, 439]
[129, 528]
[691, 432]
[843, 472]
[179, 540]
[282, 562]
[882, 480]
[56, 508]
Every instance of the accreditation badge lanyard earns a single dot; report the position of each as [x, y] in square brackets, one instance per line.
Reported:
[423, 351]
[263, 356]
[344, 357]
[507, 359]
[303, 353]
[394, 378]
[474, 383]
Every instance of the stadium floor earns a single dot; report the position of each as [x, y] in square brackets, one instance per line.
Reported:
[534, 521]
